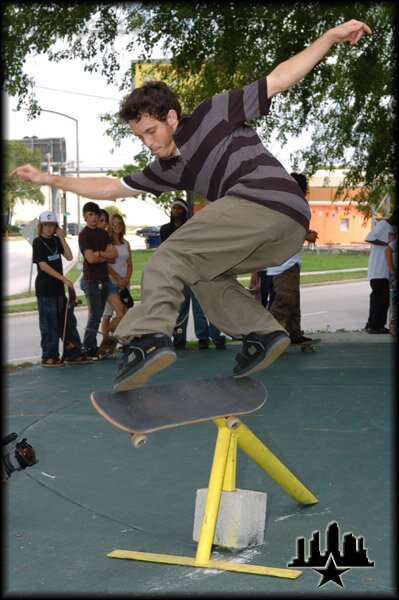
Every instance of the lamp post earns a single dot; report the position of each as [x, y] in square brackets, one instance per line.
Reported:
[77, 150]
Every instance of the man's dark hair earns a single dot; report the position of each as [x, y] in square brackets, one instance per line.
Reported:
[91, 207]
[154, 98]
[301, 180]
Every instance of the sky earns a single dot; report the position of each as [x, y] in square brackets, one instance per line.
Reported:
[65, 87]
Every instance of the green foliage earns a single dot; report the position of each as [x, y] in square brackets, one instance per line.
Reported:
[346, 103]
[14, 155]
[114, 210]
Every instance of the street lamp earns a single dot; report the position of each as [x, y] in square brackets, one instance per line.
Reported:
[55, 112]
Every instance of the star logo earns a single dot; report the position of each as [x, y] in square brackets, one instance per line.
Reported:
[339, 555]
[331, 573]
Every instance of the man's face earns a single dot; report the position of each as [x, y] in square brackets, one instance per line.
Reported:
[177, 211]
[156, 135]
[91, 219]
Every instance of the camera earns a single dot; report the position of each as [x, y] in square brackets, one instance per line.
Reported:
[22, 456]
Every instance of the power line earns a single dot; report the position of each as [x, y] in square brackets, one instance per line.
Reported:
[77, 93]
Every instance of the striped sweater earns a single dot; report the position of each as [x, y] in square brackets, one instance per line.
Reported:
[220, 155]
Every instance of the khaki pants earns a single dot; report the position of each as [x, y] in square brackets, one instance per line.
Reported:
[228, 237]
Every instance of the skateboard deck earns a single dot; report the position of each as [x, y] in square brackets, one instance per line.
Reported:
[71, 303]
[109, 343]
[155, 407]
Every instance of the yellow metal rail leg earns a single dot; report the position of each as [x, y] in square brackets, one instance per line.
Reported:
[256, 450]
[229, 482]
[216, 479]
[223, 476]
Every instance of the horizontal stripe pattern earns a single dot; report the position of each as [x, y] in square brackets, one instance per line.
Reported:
[220, 155]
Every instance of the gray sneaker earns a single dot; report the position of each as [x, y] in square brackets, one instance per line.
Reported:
[260, 351]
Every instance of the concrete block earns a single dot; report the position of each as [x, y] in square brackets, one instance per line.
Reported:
[241, 519]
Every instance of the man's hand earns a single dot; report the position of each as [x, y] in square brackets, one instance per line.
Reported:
[30, 174]
[351, 32]
[59, 232]
[289, 72]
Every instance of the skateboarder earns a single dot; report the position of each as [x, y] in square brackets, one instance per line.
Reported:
[257, 216]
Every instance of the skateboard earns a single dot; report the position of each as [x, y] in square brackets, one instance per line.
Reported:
[109, 343]
[71, 303]
[309, 346]
[155, 407]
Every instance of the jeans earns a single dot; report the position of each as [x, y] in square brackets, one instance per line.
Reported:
[96, 292]
[203, 329]
[51, 323]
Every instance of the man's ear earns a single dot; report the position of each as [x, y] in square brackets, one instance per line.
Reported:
[171, 117]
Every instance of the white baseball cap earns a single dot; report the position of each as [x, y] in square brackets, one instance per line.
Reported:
[47, 217]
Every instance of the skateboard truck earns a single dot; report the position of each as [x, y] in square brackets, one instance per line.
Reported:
[232, 433]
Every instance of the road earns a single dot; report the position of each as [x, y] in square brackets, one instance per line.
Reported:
[328, 308]
[18, 260]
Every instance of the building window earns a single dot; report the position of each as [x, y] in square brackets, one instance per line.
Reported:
[344, 225]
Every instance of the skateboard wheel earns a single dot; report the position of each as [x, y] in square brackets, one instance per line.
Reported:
[139, 439]
[232, 422]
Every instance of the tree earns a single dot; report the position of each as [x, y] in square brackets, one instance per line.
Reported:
[14, 155]
[346, 103]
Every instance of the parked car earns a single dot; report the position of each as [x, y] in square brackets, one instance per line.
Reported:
[151, 235]
[73, 228]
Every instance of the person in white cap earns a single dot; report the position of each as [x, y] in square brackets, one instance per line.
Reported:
[47, 248]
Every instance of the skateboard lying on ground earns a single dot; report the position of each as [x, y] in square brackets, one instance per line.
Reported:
[155, 407]
[109, 343]
[309, 346]
[70, 305]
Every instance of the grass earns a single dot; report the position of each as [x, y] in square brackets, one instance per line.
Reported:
[310, 262]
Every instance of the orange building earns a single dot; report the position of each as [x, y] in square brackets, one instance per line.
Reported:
[336, 222]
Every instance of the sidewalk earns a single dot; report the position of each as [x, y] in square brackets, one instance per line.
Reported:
[243, 280]
[328, 417]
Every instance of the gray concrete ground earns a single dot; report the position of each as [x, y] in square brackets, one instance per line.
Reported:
[328, 417]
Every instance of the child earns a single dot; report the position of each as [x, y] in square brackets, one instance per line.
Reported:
[51, 300]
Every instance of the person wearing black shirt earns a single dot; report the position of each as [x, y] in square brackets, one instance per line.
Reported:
[47, 249]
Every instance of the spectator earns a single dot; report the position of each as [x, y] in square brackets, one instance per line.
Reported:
[203, 329]
[47, 249]
[391, 256]
[261, 286]
[95, 246]
[286, 302]
[378, 273]
[113, 303]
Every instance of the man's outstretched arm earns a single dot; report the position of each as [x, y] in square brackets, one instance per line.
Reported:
[289, 72]
[96, 188]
